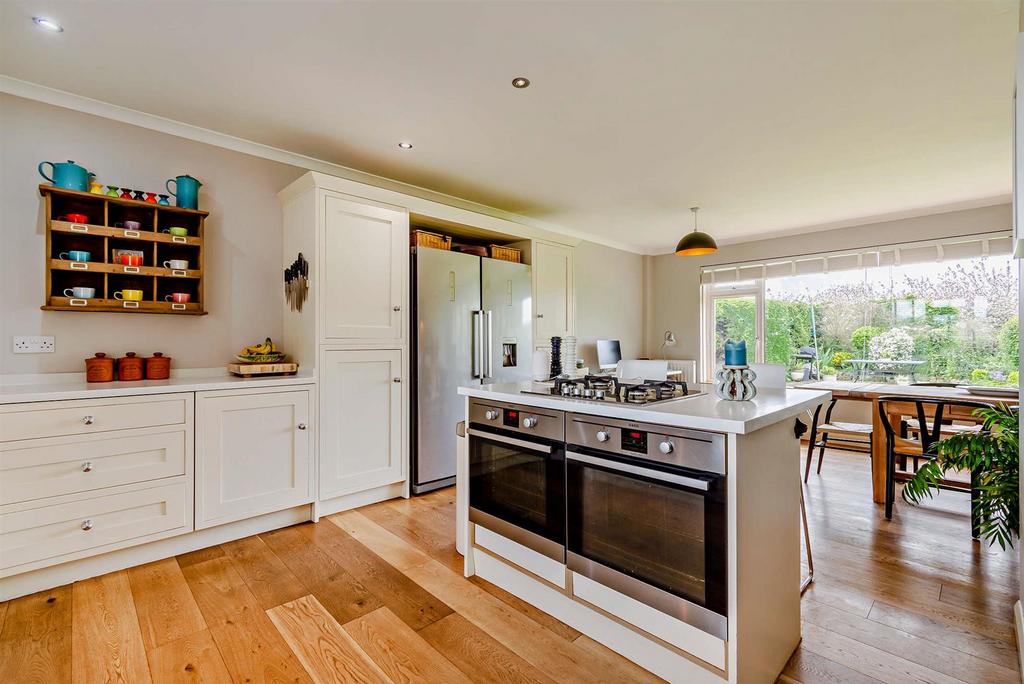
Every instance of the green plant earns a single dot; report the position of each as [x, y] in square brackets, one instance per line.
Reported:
[859, 338]
[828, 370]
[979, 375]
[839, 358]
[993, 455]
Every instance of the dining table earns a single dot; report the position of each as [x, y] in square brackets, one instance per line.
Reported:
[872, 391]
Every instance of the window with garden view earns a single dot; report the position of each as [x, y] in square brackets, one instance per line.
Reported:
[951, 321]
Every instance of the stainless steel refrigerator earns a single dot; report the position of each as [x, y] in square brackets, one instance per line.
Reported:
[472, 319]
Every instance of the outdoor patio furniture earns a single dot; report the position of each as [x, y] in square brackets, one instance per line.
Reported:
[885, 369]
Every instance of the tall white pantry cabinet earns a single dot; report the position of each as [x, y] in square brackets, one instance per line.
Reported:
[353, 330]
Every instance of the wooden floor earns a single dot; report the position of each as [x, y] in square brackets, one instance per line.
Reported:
[377, 595]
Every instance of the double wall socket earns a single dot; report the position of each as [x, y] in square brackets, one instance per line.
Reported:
[34, 344]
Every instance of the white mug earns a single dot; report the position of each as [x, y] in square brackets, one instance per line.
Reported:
[176, 264]
[80, 292]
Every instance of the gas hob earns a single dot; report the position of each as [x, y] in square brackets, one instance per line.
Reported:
[609, 389]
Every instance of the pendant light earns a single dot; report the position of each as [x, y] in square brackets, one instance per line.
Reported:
[696, 243]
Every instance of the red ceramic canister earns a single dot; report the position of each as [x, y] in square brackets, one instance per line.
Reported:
[130, 367]
[158, 367]
[99, 368]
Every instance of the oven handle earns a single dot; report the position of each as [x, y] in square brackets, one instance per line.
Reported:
[522, 443]
[636, 470]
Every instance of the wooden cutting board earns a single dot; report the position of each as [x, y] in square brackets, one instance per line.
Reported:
[251, 369]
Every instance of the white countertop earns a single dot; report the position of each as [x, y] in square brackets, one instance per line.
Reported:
[59, 386]
[702, 412]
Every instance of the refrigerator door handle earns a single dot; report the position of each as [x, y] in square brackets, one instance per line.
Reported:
[489, 345]
[478, 346]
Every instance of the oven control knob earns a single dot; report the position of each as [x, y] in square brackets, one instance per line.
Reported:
[603, 436]
[530, 422]
[666, 447]
[491, 414]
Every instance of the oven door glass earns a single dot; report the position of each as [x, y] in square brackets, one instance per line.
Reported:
[662, 533]
[519, 481]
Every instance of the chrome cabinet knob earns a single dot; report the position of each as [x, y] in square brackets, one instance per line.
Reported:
[396, 307]
[540, 315]
[491, 414]
[301, 426]
[666, 447]
[87, 524]
[603, 436]
[396, 379]
[87, 467]
[529, 422]
[88, 420]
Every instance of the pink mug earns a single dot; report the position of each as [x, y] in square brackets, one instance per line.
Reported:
[178, 297]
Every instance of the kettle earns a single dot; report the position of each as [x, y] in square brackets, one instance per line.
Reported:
[67, 175]
[186, 191]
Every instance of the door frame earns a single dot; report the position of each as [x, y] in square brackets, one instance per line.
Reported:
[709, 295]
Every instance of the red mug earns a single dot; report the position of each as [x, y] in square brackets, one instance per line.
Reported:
[74, 218]
[178, 297]
[130, 260]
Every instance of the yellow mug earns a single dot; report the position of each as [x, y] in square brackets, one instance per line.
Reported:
[130, 295]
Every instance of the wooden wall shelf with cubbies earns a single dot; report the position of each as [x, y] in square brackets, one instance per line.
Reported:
[102, 235]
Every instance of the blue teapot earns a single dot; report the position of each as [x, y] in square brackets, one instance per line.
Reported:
[69, 175]
[186, 191]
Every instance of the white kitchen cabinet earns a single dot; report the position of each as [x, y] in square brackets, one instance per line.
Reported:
[553, 291]
[362, 417]
[363, 263]
[253, 454]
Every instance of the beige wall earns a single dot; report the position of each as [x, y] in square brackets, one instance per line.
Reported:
[673, 283]
[609, 299]
[243, 240]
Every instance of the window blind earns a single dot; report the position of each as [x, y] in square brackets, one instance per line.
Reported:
[948, 249]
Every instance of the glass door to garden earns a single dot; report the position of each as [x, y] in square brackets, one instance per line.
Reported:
[733, 313]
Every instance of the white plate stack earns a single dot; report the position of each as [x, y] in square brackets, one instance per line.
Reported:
[541, 364]
[569, 356]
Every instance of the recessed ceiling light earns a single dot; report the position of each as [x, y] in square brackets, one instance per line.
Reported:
[405, 145]
[48, 24]
[520, 82]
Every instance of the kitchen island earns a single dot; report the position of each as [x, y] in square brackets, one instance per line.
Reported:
[667, 530]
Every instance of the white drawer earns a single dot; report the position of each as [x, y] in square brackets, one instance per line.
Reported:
[53, 419]
[51, 531]
[67, 465]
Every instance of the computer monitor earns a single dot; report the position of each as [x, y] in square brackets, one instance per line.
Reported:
[608, 354]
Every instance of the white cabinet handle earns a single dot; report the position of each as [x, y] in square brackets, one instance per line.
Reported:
[301, 426]
[87, 524]
[396, 379]
[88, 420]
[87, 467]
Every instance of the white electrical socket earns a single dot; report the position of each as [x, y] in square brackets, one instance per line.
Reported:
[34, 344]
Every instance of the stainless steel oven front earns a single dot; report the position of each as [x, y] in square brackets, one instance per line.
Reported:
[646, 515]
[517, 474]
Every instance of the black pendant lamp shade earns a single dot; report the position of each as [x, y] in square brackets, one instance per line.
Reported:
[696, 243]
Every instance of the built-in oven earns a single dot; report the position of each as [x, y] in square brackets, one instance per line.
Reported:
[646, 515]
[517, 474]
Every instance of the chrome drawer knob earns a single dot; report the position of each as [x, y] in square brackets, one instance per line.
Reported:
[666, 447]
[396, 308]
[603, 436]
[540, 315]
[87, 467]
[87, 524]
[88, 420]
[301, 426]
[529, 422]
[396, 379]
[491, 414]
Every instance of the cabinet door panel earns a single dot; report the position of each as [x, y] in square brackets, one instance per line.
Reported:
[361, 405]
[253, 455]
[553, 276]
[365, 258]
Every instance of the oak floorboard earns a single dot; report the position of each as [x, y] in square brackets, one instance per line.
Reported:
[423, 532]
[254, 651]
[401, 653]
[167, 611]
[536, 614]
[192, 658]
[807, 667]
[412, 604]
[337, 590]
[41, 659]
[479, 655]
[36, 614]
[326, 650]
[391, 548]
[106, 640]
[198, 556]
[267, 577]
[3, 615]
[219, 591]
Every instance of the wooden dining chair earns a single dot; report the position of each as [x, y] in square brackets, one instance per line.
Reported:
[835, 435]
[931, 417]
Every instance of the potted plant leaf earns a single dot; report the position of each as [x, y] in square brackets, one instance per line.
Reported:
[994, 456]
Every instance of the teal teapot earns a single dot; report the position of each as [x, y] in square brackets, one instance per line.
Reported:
[67, 175]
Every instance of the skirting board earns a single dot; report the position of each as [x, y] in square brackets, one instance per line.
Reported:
[1018, 623]
[65, 573]
[632, 645]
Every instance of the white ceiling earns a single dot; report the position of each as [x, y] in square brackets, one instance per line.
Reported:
[774, 117]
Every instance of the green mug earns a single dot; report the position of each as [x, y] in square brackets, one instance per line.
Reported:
[176, 231]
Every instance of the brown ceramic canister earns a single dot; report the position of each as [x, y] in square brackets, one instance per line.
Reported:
[130, 367]
[158, 367]
[99, 368]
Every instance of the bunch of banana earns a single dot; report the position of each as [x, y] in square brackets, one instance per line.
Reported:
[266, 347]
